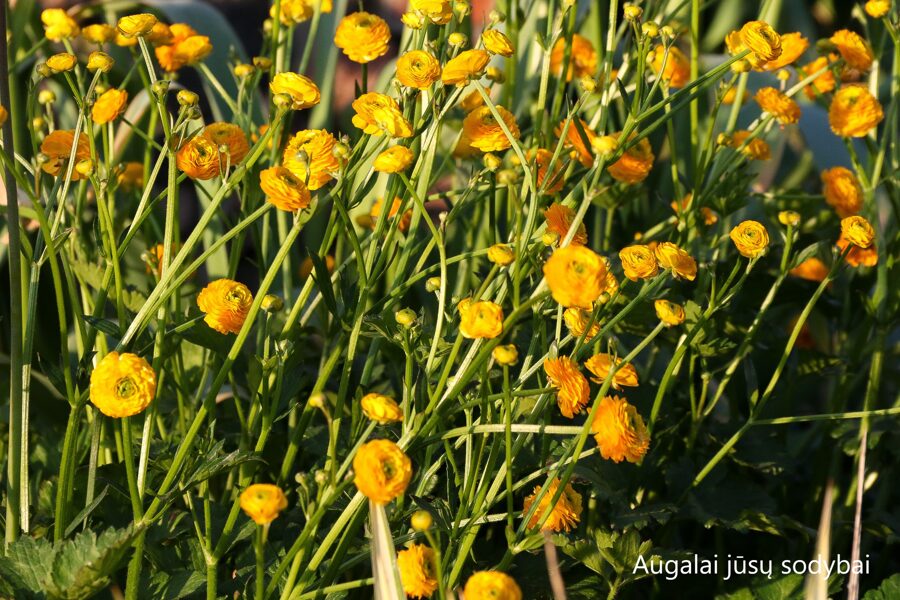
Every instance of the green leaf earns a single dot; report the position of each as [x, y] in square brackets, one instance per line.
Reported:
[889, 589]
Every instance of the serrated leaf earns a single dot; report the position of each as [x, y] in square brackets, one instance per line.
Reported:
[888, 590]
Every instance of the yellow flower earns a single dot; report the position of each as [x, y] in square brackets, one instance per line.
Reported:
[750, 238]
[198, 158]
[491, 585]
[878, 8]
[484, 132]
[507, 355]
[855, 51]
[755, 148]
[682, 264]
[481, 319]
[638, 262]
[559, 219]
[677, 69]
[418, 69]
[669, 313]
[230, 138]
[62, 62]
[496, 42]
[793, 45]
[100, 61]
[550, 183]
[601, 364]
[582, 61]
[99, 33]
[310, 155]
[436, 11]
[577, 321]
[226, 304]
[283, 189]
[159, 35]
[417, 571]
[856, 255]
[132, 26]
[858, 231]
[778, 104]
[395, 159]
[842, 191]
[572, 387]
[298, 11]
[303, 91]
[501, 254]
[262, 502]
[58, 25]
[377, 114]
[472, 100]
[185, 48]
[464, 67]
[381, 471]
[789, 218]
[122, 385]
[363, 37]
[731, 95]
[635, 163]
[381, 409]
[375, 212]
[854, 112]
[811, 269]
[581, 147]
[760, 39]
[57, 146]
[620, 431]
[576, 276]
[109, 105]
[822, 84]
[565, 514]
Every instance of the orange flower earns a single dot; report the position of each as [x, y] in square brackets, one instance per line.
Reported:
[601, 364]
[854, 112]
[855, 51]
[377, 114]
[551, 183]
[755, 148]
[226, 304]
[496, 42]
[635, 163]
[669, 313]
[130, 176]
[793, 45]
[572, 387]
[620, 431]
[682, 264]
[186, 48]
[577, 321]
[229, 137]
[750, 238]
[100, 33]
[362, 37]
[674, 68]
[760, 39]
[283, 189]
[381, 471]
[198, 158]
[417, 570]
[262, 502]
[418, 69]
[395, 159]
[842, 191]
[877, 8]
[464, 67]
[731, 95]
[480, 319]
[858, 231]
[564, 515]
[811, 269]
[297, 11]
[822, 84]
[778, 104]
[303, 91]
[581, 147]
[436, 11]
[310, 156]
[57, 146]
[375, 212]
[858, 256]
[638, 262]
[109, 105]
[484, 132]
[582, 61]
[122, 385]
[136, 25]
[559, 219]
[576, 276]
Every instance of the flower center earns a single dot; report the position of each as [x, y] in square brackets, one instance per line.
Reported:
[125, 387]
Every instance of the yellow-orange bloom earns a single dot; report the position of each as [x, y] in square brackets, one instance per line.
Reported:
[485, 133]
[669, 313]
[877, 8]
[559, 219]
[572, 387]
[303, 91]
[576, 276]
[310, 156]
[582, 148]
[381, 409]
[375, 212]
[842, 191]
[122, 385]
[283, 189]
[262, 502]
[395, 159]
[620, 431]
[778, 104]
[551, 183]
[823, 83]
[811, 269]
[297, 11]
[480, 319]
[230, 141]
[57, 146]
[58, 25]
[109, 105]
[858, 231]
[464, 67]
[132, 26]
[601, 364]
[793, 45]
[226, 304]
[857, 256]
[760, 39]
[100, 61]
[62, 62]
[438, 12]
[186, 48]
[378, 114]
[418, 69]
[496, 42]
[673, 67]
[198, 158]
[855, 51]
[682, 264]
[755, 148]
[99, 33]
[577, 321]
[750, 238]
[854, 112]
[582, 61]
[491, 585]
[635, 163]
[638, 262]
[565, 514]
[363, 37]
[417, 570]
[159, 35]
[381, 470]
[731, 95]
[501, 254]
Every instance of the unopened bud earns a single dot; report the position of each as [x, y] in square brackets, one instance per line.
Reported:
[650, 29]
[282, 101]
[263, 63]
[100, 61]
[242, 70]
[496, 75]
[160, 88]
[506, 355]
[187, 98]
[789, 218]
[421, 520]
[46, 97]
[632, 12]
[405, 317]
[84, 167]
[492, 162]
[317, 400]
[272, 303]
[457, 39]
[433, 284]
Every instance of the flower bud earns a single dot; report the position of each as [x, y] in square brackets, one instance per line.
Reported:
[433, 284]
[457, 39]
[501, 254]
[46, 97]
[667, 31]
[421, 520]
[317, 400]
[38, 123]
[650, 29]
[272, 303]
[84, 167]
[100, 61]
[282, 101]
[507, 176]
[187, 98]
[496, 75]
[550, 238]
[741, 66]
[412, 20]
[506, 355]
[789, 218]
[588, 84]
[723, 139]
[495, 16]
[341, 150]
[320, 477]
[632, 12]
[492, 162]
[783, 75]
[242, 70]
[160, 88]
[462, 8]
[405, 317]
[267, 26]
[44, 70]
[263, 63]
